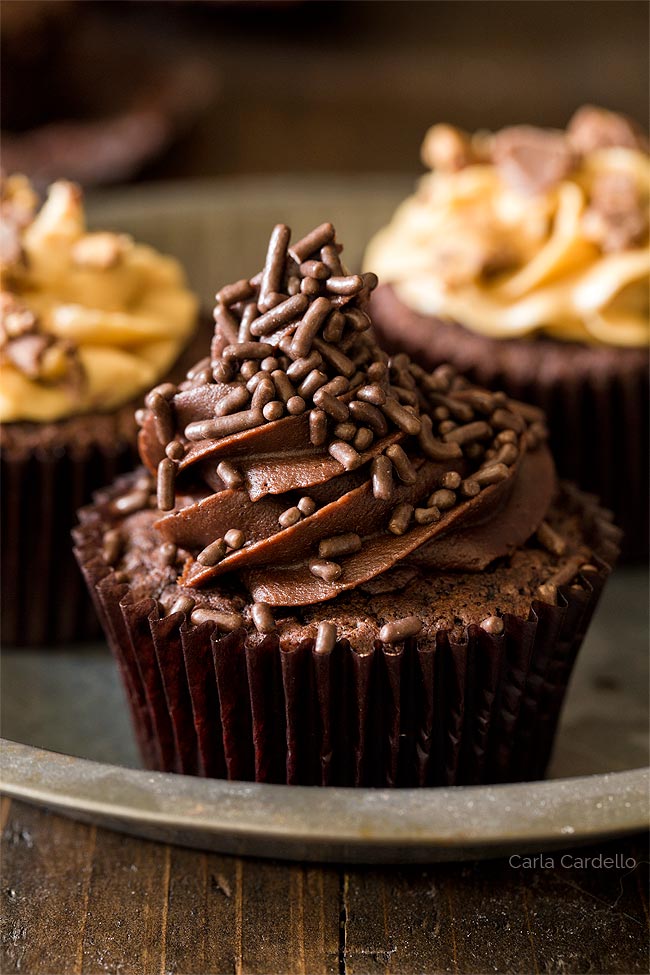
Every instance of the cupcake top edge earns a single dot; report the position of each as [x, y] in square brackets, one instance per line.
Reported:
[303, 458]
[89, 319]
[528, 230]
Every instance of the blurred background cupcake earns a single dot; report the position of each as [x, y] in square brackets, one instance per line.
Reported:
[77, 104]
[523, 258]
[89, 322]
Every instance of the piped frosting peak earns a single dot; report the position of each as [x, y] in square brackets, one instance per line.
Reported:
[303, 458]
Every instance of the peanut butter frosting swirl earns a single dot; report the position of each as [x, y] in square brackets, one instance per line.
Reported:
[301, 457]
[527, 231]
[89, 320]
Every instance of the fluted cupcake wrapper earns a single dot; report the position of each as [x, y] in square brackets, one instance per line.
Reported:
[595, 400]
[44, 599]
[45, 481]
[422, 713]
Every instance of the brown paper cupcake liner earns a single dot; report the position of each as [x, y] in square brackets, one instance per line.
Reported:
[484, 709]
[47, 474]
[595, 400]
[44, 599]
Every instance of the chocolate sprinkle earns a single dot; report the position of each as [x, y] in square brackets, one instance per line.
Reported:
[346, 455]
[166, 495]
[478, 430]
[370, 416]
[363, 438]
[324, 569]
[183, 604]
[325, 638]
[338, 545]
[276, 254]
[451, 480]
[382, 478]
[493, 625]
[234, 538]
[331, 405]
[286, 311]
[175, 450]
[317, 427]
[224, 426]
[232, 402]
[312, 242]
[289, 517]
[224, 621]
[442, 499]
[403, 466]
[400, 519]
[162, 417]
[401, 417]
[212, 553]
[400, 630]
[273, 410]
[550, 539]
[168, 552]
[427, 516]
[307, 506]
[490, 475]
[112, 543]
[131, 502]
[239, 291]
[262, 615]
[229, 474]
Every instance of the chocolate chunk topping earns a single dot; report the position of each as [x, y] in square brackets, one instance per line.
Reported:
[617, 217]
[531, 159]
[447, 149]
[596, 128]
[26, 353]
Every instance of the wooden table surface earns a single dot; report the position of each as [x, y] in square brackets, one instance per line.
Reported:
[80, 899]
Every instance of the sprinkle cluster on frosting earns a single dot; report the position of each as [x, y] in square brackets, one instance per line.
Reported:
[528, 230]
[302, 457]
[88, 320]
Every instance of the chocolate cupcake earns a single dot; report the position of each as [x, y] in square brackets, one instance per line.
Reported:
[335, 567]
[90, 321]
[523, 259]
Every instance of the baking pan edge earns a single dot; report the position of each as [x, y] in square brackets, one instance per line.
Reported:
[333, 824]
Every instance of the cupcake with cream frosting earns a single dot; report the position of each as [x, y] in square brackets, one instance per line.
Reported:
[335, 567]
[90, 321]
[523, 259]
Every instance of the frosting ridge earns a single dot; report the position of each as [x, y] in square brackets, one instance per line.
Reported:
[89, 319]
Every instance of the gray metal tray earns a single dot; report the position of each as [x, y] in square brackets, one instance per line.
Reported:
[71, 746]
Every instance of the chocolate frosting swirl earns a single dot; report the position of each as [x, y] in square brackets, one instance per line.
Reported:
[302, 457]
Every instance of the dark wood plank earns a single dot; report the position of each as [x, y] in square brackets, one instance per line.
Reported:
[201, 913]
[46, 869]
[76, 899]
[396, 920]
[488, 920]
[289, 919]
[589, 918]
[127, 906]
[471, 918]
